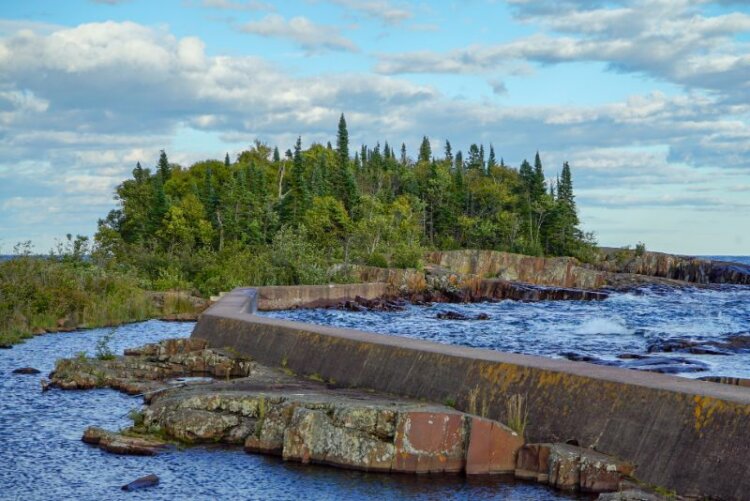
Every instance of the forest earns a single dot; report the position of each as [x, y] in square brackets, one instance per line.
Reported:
[267, 217]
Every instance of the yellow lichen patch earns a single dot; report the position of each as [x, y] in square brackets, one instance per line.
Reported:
[704, 409]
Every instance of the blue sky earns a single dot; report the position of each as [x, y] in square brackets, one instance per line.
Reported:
[649, 101]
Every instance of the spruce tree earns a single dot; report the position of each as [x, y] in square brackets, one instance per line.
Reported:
[425, 150]
[491, 162]
[163, 166]
[226, 160]
[448, 152]
[538, 189]
[342, 142]
[403, 154]
[459, 161]
[276, 156]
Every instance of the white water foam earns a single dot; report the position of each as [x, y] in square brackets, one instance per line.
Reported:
[599, 325]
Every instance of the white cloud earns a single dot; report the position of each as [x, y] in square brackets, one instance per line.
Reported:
[307, 34]
[382, 10]
[671, 40]
[252, 5]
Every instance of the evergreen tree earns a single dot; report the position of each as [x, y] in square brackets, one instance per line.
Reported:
[403, 154]
[276, 156]
[425, 150]
[448, 152]
[138, 173]
[226, 160]
[163, 167]
[481, 157]
[474, 161]
[538, 188]
[491, 163]
[342, 142]
[459, 161]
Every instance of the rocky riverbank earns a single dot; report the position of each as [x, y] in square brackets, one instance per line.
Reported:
[304, 419]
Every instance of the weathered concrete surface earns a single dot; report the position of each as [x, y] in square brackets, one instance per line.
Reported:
[653, 421]
[312, 296]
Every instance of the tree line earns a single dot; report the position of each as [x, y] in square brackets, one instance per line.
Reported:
[271, 217]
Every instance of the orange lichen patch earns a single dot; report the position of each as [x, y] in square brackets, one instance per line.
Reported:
[704, 409]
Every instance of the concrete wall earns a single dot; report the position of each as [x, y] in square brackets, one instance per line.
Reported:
[687, 435]
[312, 296]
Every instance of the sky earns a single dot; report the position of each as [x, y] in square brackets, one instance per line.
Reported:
[649, 101]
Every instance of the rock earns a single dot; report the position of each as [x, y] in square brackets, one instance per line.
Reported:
[180, 317]
[727, 380]
[26, 370]
[428, 442]
[601, 473]
[312, 437]
[66, 324]
[200, 426]
[492, 448]
[564, 467]
[143, 370]
[572, 468]
[454, 315]
[4, 346]
[684, 346]
[666, 365]
[451, 315]
[142, 483]
[532, 462]
[630, 495]
[117, 443]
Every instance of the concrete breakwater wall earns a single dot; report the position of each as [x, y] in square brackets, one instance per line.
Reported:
[682, 434]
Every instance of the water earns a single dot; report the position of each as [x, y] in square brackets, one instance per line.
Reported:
[616, 331]
[42, 456]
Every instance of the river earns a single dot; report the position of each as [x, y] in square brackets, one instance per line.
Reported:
[43, 457]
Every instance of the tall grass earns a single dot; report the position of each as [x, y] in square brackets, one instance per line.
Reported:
[517, 414]
[38, 293]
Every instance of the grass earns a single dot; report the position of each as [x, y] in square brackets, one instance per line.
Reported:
[39, 293]
[517, 414]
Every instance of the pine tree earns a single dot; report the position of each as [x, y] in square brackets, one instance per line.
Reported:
[474, 161]
[342, 142]
[163, 166]
[538, 188]
[491, 163]
[138, 173]
[459, 161]
[403, 154]
[226, 160]
[448, 152]
[425, 150]
[276, 156]
[481, 157]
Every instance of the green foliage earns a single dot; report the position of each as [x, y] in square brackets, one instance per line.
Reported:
[269, 218]
[640, 249]
[103, 351]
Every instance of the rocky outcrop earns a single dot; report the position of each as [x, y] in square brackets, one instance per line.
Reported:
[683, 268]
[304, 420]
[147, 368]
[558, 272]
[118, 443]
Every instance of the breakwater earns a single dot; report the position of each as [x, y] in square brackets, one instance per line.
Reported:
[681, 434]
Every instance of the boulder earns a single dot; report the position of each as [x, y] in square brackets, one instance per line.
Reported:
[117, 443]
[26, 370]
[430, 442]
[492, 448]
[142, 483]
[532, 462]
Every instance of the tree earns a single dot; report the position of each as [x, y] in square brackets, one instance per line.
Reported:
[403, 154]
[226, 160]
[425, 150]
[491, 162]
[448, 152]
[342, 143]
[163, 166]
